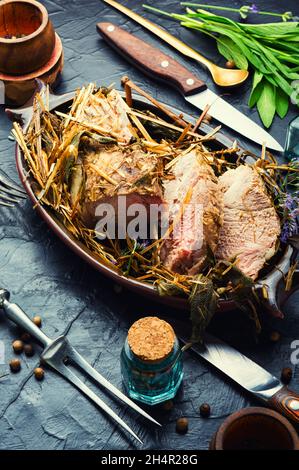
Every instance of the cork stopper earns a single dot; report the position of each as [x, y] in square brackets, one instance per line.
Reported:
[151, 339]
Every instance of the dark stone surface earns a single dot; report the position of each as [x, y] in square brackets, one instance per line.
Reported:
[46, 279]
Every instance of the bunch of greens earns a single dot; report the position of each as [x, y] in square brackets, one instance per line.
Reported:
[271, 49]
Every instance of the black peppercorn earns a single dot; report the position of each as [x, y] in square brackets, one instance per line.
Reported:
[286, 375]
[205, 410]
[274, 336]
[182, 425]
[168, 405]
[28, 350]
[26, 337]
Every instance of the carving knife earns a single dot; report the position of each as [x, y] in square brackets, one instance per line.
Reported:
[162, 67]
[243, 371]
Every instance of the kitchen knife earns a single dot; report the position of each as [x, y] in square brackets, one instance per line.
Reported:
[249, 375]
[158, 65]
[222, 77]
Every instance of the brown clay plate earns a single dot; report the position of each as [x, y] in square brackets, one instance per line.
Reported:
[272, 280]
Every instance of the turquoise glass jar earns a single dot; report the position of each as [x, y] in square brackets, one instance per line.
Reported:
[291, 150]
[151, 381]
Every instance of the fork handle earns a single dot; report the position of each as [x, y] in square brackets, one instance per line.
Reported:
[18, 316]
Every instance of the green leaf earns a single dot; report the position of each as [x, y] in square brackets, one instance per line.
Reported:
[224, 50]
[231, 51]
[203, 303]
[282, 103]
[257, 87]
[266, 103]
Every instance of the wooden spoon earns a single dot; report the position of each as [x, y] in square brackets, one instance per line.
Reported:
[221, 76]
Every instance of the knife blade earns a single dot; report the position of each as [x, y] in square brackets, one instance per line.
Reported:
[248, 375]
[162, 67]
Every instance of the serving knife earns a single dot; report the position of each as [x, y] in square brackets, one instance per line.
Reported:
[249, 375]
[162, 67]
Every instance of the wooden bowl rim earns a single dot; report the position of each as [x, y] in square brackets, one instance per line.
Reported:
[56, 56]
[45, 19]
[255, 411]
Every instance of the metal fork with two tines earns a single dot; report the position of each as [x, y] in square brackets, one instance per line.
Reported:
[10, 192]
[59, 349]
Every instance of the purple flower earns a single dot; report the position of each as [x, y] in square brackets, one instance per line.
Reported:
[290, 225]
[254, 8]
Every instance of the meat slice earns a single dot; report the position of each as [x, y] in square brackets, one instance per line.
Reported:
[251, 225]
[113, 171]
[196, 226]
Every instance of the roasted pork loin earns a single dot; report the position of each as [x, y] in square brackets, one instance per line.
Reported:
[113, 171]
[194, 183]
[251, 225]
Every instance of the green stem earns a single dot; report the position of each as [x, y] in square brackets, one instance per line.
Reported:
[211, 7]
[174, 16]
[156, 10]
[236, 10]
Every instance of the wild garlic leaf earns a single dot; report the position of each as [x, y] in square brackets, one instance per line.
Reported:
[257, 87]
[282, 103]
[266, 103]
[231, 51]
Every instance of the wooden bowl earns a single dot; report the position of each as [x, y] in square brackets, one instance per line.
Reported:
[27, 36]
[255, 428]
[19, 90]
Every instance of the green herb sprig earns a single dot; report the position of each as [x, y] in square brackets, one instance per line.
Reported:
[271, 49]
[243, 11]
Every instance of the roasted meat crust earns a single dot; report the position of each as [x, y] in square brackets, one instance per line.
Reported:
[113, 171]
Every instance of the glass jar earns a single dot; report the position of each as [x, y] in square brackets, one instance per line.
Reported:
[291, 150]
[151, 376]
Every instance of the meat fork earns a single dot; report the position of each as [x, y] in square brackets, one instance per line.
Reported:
[57, 350]
[10, 192]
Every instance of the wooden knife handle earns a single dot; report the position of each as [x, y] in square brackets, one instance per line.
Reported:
[150, 60]
[287, 403]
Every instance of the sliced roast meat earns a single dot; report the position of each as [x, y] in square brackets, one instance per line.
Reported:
[251, 225]
[112, 171]
[195, 212]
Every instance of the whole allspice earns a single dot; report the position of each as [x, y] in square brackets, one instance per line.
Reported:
[39, 373]
[18, 346]
[37, 321]
[15, 365]
[205, 410]
[182, 425]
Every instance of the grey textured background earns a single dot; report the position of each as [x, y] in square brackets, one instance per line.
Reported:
[45, 278]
